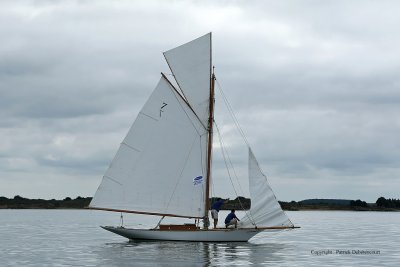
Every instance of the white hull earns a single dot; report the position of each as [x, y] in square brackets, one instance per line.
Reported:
[213, 235]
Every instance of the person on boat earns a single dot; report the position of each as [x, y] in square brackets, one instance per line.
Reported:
[231, 219]
[215, 207]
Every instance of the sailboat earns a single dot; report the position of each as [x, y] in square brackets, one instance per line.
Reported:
[163, 166]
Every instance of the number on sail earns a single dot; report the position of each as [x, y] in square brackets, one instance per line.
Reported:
[163, 106]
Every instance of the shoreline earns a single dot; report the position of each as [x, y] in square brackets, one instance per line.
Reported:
[304, 208]
[239, 203]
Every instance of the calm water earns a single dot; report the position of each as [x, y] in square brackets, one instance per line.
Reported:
[73, 238]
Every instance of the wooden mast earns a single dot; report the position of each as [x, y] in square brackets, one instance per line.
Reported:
[209, 150]
[210, 141]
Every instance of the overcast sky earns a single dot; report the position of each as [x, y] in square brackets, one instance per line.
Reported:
[315, 86]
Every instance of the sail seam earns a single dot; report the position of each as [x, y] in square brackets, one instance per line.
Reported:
[144, 114]
[115, 181]
[131, 147]
[270, 210]
[266, 180]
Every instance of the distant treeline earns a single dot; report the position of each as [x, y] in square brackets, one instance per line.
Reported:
[19, 202]
[239, 203]
[381, 204]
[388, 203]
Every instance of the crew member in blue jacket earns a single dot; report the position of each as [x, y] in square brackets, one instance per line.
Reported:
[215, 207]
[231, 219]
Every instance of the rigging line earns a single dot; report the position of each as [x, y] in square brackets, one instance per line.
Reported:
[224, 155]
[241, 132]
[248, 214]
[180, 175]
[226, 163]
[202, 166]
[180, 88]
[159, 222]
[230, 109]
[179, 97]
[229, 159]
[187, 115]
[122, 220]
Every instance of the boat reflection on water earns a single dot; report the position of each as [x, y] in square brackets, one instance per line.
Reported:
[169, 253]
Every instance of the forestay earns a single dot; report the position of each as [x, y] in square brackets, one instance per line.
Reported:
[160, 165]
[190, 64]
[265, 210]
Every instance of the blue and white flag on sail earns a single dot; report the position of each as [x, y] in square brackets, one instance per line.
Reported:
[198, 180]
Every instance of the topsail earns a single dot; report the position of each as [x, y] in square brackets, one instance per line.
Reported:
[191, 66]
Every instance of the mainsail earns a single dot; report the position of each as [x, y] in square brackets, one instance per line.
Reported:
[156, 166]
[265, 210]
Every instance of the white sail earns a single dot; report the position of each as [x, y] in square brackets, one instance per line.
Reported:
[265, 210]
[156, 166]
[190, 64]
[161, 166]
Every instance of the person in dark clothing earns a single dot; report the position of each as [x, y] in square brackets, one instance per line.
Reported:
[231, 219]
[215, 207]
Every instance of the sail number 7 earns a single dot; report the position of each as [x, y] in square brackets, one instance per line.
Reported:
[163, 106]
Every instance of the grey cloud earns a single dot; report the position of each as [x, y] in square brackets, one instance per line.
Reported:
[314, 85]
